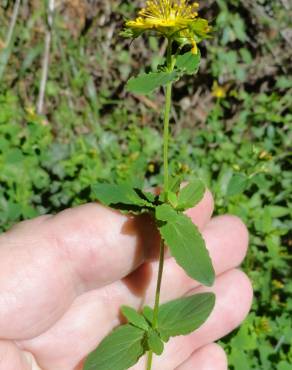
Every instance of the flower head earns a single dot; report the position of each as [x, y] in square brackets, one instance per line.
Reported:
[176, 19]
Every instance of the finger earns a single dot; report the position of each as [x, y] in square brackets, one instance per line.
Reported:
[45, 263]
[91, 318]
[210, 357]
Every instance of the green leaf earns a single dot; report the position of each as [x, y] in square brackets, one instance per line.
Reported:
[165, 212]
[189, 63]
[172, 198]
[200, 28]
[119, 350]
[145, 83]
[237, 184]
[191, 195]
[278, 211]
[119, 194]
[174, 183]
[185, 243]
[164, 337]
[184, 315]
[148, 313]
[154, 342]
[283, 365]
[146, 195]
[130, 33]
[134, 317]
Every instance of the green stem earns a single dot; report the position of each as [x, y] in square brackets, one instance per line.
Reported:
[168, 94]
[166, 136]
[158, 286]
[149, 360]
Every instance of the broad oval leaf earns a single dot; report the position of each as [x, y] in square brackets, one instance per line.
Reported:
[145, 83]
[190, 195]
[189, 63]
[119, 350]
[184, 315]
[185, 243]
[134, 317]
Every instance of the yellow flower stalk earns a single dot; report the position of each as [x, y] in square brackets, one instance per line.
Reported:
[175, 19]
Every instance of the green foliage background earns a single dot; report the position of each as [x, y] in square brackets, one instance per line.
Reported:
[92, 129]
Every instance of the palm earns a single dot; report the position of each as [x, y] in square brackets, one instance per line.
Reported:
[63, 279]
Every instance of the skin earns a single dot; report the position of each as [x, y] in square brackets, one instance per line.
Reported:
[64, 277]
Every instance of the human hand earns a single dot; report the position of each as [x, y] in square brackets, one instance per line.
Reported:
[63, 279]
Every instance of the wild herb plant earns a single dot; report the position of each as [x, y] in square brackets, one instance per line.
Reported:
[146, 331]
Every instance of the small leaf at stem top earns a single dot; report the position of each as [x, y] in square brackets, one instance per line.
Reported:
[185, 243]
[135, 318]
[118, 351]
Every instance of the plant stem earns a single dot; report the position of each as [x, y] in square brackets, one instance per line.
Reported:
[166, 135]
[158, 287]
[168, 94]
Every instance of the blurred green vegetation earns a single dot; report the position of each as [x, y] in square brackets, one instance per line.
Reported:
[231, 125]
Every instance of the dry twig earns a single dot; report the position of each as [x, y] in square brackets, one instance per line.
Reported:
[45, 66]
[12, 23]
[5, 46]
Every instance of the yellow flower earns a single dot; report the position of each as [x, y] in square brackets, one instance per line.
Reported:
[218, 91]
[176, 19]
[165, 14]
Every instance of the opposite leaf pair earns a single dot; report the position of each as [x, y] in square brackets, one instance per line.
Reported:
[126, 344]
